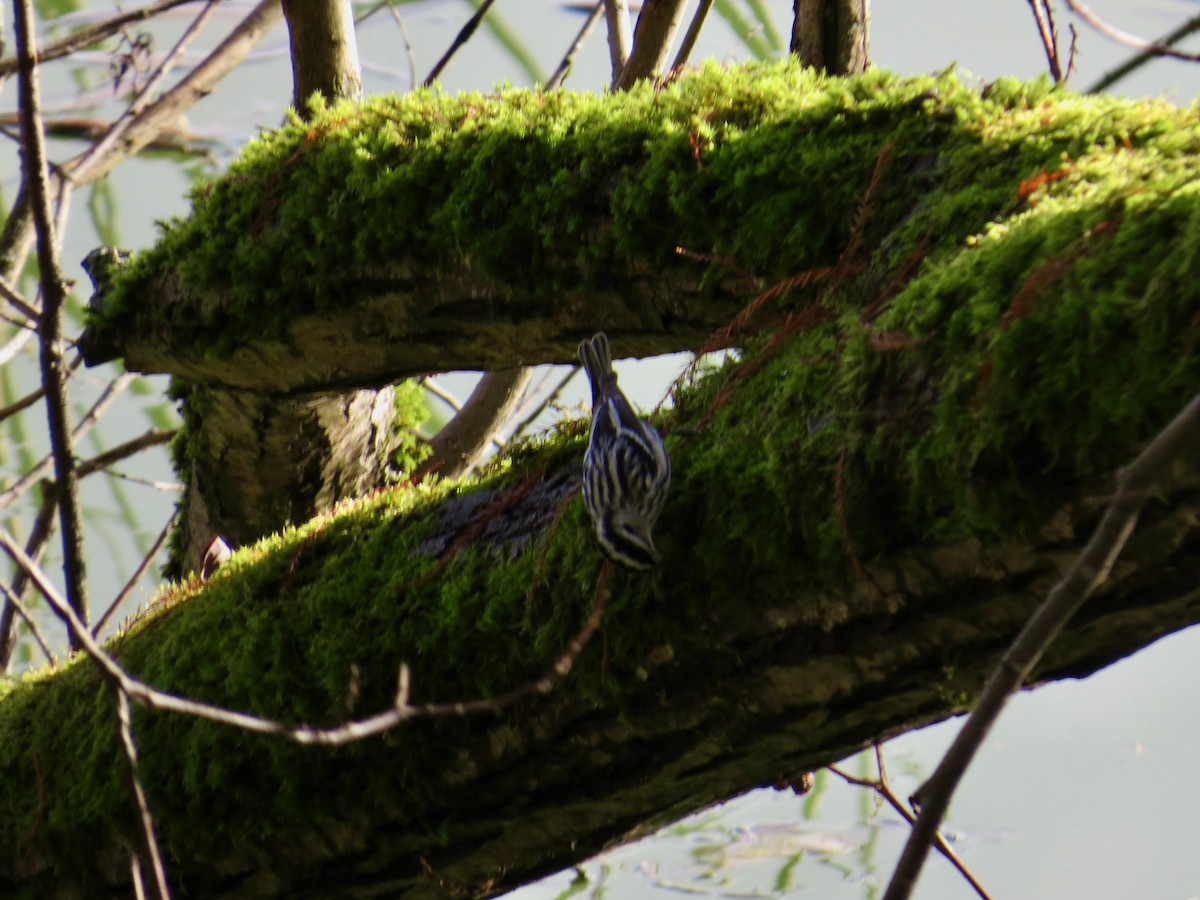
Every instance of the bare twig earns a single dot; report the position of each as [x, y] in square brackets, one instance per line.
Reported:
[54, 298]
[1135, 62]
[196, 85]
[179, 139]
[15, 345]
[568, 60]
[125, 120]
[11, 597]
[150, 851]
[408, 47]
[35, 395]
[1043, 15]
[91, 35]
[39, 537]
[400, 712]
[152, 437]
[145, 564]
[153, 483]
[460, 39]
[35, 474]
[550, 397]
[13, 296]
[883, 787]
[1124, 37]
[1089, 570]
[442, 394]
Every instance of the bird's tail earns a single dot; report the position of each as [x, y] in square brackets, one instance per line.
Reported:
[597, 361]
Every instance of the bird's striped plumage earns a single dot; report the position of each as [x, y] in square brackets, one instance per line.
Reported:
[626, 470]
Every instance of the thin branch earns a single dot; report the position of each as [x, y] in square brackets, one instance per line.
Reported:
[196, 85]
[141, 570]
[87, 36]
[54, 298]
[13, 296]
[408, 47]
[620, 39]
[39, 537]
[34, 475]
[153, 858]
[550, 397]
[568, 60]
[15, 345]
[154, 483]
[1043, 15]
[126, 119]
[16, 237]
[152, 437]
[1088, 572]
[401, 711]
[178, 139]
[883, 788]
[35, 395]
[12, 598]
[460, 39]
[442, 394]
[1124, 37]
[1191, 26]
[691, 35]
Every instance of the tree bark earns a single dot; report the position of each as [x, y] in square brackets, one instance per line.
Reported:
[324, 51]
[269, 462]
[656, 26]
[686, 701]
[461, 444]
[832, 36]
[255, 463]
[976, 314]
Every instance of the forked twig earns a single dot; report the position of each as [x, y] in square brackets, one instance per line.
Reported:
[883, 788]
[1043, 15]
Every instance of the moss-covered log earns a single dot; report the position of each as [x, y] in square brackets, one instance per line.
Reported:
[865, 506]
[433, 232]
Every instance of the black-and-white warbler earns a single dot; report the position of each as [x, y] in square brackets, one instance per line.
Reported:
[626, 470]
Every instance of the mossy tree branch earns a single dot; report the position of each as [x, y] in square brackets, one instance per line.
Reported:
[472, 232]
[887, 484]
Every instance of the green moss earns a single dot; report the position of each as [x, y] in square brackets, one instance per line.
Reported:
[1039, 342]
[412, 410]
[762, 166]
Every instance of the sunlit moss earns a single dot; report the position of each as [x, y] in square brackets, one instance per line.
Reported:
[1028, 259]
[761, 165]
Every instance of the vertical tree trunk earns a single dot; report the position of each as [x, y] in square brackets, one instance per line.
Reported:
[832, 35]
[254, 463]
[656, 27]
[324, 51]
